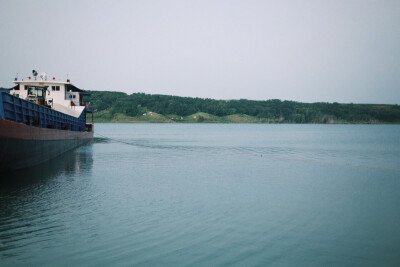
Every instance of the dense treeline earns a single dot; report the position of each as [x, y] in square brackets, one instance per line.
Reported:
[274, 110]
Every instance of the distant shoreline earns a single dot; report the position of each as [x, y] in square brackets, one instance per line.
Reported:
[152, 117]
[146, 108]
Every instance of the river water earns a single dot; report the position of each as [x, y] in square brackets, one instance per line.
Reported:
[210, 195]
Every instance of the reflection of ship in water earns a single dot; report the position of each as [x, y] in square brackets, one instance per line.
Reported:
[75, 162]
[33, 199]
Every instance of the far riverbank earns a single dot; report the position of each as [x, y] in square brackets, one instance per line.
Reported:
[201, 117]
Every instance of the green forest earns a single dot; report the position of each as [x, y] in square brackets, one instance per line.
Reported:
[141, 107]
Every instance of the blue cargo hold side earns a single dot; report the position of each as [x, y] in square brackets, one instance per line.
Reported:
[19, 110]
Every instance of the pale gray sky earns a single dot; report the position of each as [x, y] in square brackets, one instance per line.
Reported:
[310, 51]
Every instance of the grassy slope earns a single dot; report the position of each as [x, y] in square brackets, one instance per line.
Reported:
[152, 117]
[107, 116]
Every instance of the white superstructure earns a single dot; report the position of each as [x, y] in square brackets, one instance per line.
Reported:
[61, 96]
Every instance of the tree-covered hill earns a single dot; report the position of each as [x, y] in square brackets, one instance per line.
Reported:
[115, 104]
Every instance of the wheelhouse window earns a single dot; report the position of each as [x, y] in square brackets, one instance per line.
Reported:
[36, 91]
[53, 88]
[57, 88]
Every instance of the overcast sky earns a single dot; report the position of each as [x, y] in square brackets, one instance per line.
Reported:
[308, 51]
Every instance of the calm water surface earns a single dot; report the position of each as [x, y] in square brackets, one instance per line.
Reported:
[210, 195]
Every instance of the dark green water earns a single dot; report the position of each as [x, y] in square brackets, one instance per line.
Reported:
[210, 195]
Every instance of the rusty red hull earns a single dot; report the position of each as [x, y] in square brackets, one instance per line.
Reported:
[23, 145]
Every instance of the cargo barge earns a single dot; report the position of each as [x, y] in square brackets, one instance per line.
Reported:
[41, 119]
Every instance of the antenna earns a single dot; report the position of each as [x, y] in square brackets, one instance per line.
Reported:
[43, 76]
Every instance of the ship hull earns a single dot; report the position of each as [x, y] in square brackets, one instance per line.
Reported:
[24, 146]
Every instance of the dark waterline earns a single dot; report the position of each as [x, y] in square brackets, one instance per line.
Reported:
[218, 194]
